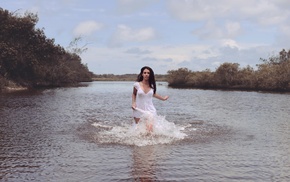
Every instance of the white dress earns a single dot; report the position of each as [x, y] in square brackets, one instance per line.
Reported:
[143, 101]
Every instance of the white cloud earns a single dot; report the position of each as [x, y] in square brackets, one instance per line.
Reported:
[264, 12]
[197, 10]
[283, 38]
[229, 43]
[211, 30]
[137, 51]
[87, 28]
[125, 34]
[285, 30]
[252, 22]
[233, 29]
[267, 12]
[131, 6]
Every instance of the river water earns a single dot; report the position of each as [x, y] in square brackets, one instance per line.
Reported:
[87, 134]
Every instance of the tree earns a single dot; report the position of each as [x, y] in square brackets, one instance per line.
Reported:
[178, 77]
[247, 78]
[74, 46]
[227, 74]
[30, 58]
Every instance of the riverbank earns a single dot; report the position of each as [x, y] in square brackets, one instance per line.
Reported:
[124, 77]
[10, 86]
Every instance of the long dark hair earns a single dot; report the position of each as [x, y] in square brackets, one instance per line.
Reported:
[152, 82]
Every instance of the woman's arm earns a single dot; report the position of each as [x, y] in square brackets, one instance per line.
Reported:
[134, 98]
[160, 97]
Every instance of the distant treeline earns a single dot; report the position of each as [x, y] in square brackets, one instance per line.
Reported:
[28, 58]
[125, 77]
[272, 75]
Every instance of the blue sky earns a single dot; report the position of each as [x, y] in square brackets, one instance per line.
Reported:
[124, 35]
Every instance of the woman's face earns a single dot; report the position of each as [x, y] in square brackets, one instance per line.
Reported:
[146, 74]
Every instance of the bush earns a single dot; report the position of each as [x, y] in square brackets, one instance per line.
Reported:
[272, 75]
[31, 59]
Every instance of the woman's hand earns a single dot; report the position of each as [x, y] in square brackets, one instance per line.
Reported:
[160, 97]
[165, 98]
[133, 106]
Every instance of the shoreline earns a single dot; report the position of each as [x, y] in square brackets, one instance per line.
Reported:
[11, 86]
[13, 89]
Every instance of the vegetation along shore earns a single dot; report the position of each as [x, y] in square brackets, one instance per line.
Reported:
[29, 59]
[273, 74]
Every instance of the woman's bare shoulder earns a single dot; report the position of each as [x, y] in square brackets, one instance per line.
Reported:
[136, 84]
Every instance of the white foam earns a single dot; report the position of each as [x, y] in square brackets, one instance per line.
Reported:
[160, 131]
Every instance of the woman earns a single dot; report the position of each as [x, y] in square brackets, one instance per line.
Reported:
[143, 91]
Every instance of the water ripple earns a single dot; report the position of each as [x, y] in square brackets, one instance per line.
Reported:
[83, 134]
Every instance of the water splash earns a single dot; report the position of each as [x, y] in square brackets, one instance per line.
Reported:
[151, 130]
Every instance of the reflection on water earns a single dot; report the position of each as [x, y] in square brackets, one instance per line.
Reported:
[86, 134]
[144, 163]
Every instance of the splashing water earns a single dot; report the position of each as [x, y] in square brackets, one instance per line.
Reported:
[151, 130]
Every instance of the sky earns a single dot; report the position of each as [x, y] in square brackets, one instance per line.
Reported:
[121, 36]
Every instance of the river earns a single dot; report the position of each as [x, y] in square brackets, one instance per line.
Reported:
[87, 133]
